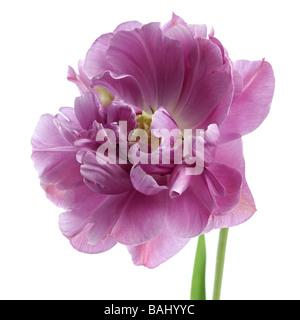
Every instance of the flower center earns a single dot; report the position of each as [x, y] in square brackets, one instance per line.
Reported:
[142, 131]
[144, 122]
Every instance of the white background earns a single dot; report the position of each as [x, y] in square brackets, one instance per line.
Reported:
[39, 39]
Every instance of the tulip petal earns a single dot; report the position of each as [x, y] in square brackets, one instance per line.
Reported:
[105, 217]
[86, 110]
[141, 218]
[149, 56]
[128, 26]
[105, 175]
[53, 154]
[80, 242]
[230, 181]
[81, 203]
[241, 213]
[179, 181]
[249, 110]
[143, 182]
[205, 85]
[187, 215]
[81, 79]
[123, 86]
[95, 62]
[158, 250]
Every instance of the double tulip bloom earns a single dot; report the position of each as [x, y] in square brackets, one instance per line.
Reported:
[174, 77]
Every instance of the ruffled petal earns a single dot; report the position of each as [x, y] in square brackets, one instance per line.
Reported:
[241, 213]
[53, 154]
[179, 181]
[120, 111]
[47, 135]
[81, 203]
[107, 178]
[150, 57]
[105, 217]
[87, 110]
[128, 26]
[141, 218]
[81, 79]
[173, 22]
[187, 215]
[158, 250]
[145, 183]
[80, 242]
[123, 86]
[206, 83]
[95, 62]
[252, 106]
[223, 178]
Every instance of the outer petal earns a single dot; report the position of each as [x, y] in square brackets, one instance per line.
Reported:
[105, 217]
[81, 202]
[173, 22]
[47, 135]
[141, 218]
[231, 154]
[252, 106]
[205, 83]
[128, 26]
[231, 181]
[53, 154]
[187, 215]
[95, 61]
[158, 250]
[80, 242]
[81, 79]
[241, 213]
[150, 57]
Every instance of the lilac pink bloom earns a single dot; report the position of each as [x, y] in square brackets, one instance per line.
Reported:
[188, 79]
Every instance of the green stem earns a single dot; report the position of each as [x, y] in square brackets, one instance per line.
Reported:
[198, 279]
[220, 263]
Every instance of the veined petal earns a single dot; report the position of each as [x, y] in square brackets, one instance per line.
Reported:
[173, 22]
[105, 217]
[241, 213]
[252, 106]
[87, 110]
[179, 181]
[141, 219]
[120, 111]
[150, 57]
[80, 242]
[158, 250]
[123, 86]
[205, 84]
[81, 79]
[81, 203]
[143, 182]
[230, 181]
[128, 26]
[53, 154]
[95, 62]
[187, 215]
[105, 176]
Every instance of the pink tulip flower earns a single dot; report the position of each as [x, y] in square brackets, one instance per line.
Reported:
[174, 77]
